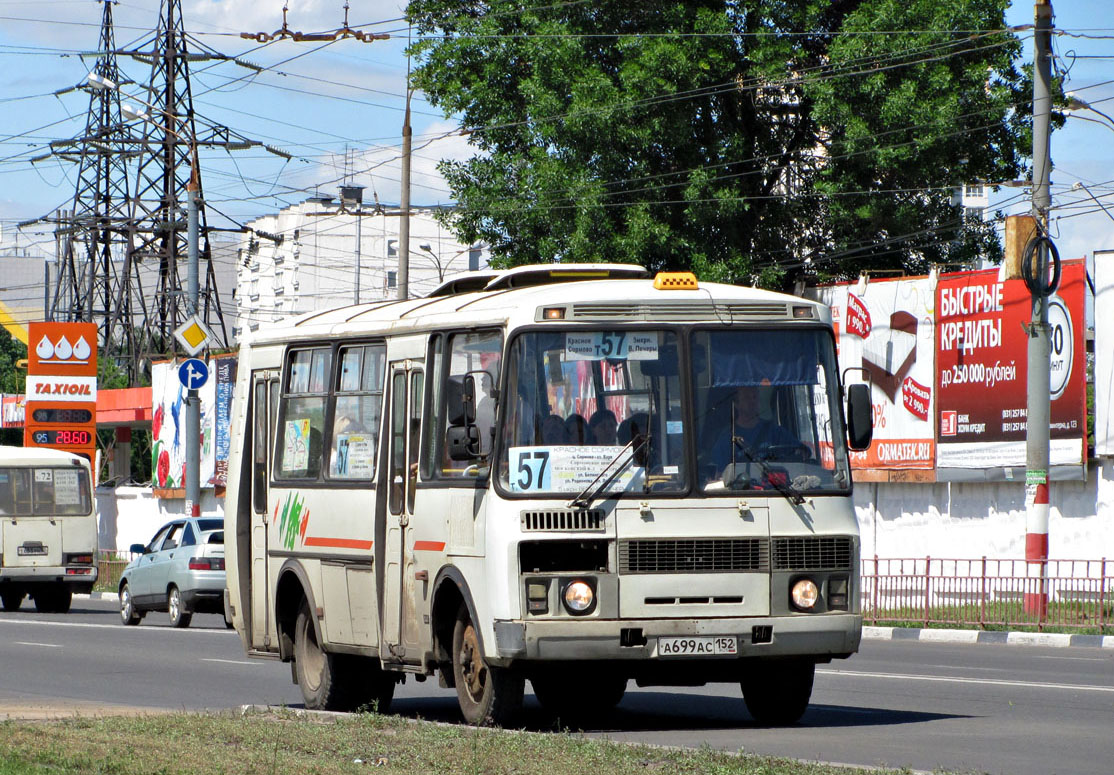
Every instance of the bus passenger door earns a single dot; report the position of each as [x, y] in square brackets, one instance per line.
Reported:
[264, 402]
[400, 626]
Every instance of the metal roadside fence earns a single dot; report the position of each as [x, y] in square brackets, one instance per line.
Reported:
[989, 593]
[110, 566]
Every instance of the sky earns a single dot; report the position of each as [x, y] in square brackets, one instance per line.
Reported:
[338, 109]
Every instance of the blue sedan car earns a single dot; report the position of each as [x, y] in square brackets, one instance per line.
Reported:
[181, 571]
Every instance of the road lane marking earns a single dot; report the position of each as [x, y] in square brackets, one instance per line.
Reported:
[31, 643]
[120, 627]
[958, 680]
[230, 661]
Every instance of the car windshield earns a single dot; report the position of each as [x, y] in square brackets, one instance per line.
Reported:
[585, 403]
[600, 412]
[205, 525]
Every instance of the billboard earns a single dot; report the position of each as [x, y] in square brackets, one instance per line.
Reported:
[886, 329]
[981, 370]
[168, 428]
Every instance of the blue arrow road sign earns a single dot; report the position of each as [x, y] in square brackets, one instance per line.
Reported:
[193, 373]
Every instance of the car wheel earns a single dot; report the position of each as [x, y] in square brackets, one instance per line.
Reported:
[179, 616]
[487, 695]
[11, 599]
[777, 693]
[128, 614]
[316, 669]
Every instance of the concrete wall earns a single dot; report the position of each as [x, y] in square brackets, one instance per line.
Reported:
[131, 515]
[970, 520]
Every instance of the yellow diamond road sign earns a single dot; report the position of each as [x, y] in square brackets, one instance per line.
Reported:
[193, 335]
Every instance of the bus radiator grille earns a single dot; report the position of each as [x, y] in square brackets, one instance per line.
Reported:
[702, 555]
[813, 553]
[563, 520]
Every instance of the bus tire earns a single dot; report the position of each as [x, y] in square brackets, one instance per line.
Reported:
[487, 695]
[373, 687]
[128, 615]
[11, 599]
[179, 616]
[54, 599]
[777, 692]
[572, 700]
[317, 670]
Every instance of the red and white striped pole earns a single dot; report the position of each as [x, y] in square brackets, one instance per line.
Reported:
[1036, 549]
[1037, 424]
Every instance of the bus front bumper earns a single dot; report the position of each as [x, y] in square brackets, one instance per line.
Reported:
[823, 636]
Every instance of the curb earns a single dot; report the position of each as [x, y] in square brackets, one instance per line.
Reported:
[1047, 639]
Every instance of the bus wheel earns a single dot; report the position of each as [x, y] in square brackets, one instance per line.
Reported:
[128, 614]
[53, 599]
[777, 693]
[488, 696]
[580, 698]
[373, 688]
[316, 669]
[179, 616]
[11, 599]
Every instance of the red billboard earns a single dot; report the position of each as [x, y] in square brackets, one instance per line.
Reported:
[981, 369]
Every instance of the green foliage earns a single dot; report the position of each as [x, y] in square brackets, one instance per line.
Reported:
[12, 380]
[669, 132]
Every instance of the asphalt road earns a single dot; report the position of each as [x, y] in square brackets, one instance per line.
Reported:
[1022, 710]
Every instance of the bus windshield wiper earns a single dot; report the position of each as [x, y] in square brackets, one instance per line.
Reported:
[603, 479]
[783, 487]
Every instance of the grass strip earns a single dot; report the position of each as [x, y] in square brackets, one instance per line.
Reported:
[272, 742]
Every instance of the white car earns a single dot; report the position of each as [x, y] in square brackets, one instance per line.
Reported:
[180, 571]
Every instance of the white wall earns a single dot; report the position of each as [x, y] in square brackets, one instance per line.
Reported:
[131, 515]
[970, 520]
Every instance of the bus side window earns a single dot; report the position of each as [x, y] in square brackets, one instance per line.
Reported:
[302, 424]
[358, 411]
[479, 355]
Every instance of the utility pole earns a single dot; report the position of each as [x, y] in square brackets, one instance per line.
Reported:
[1039, 345]
[193, 290]
[404, 204]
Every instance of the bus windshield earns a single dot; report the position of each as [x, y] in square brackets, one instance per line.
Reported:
[605, 410]
[581, 403]
[45, 491]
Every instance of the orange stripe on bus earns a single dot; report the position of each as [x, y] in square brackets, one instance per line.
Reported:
[429, 546]
[338, 543]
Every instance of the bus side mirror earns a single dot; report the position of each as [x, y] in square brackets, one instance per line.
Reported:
[463, 442]
[469, 399]
[860, 430]
[461, 400]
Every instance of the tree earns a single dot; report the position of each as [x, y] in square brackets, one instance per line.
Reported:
[12, 379]
[736, 140]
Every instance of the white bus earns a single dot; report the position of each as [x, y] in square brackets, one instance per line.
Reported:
[48, 528]
[549, 474]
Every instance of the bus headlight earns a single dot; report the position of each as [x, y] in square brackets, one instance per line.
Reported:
[579, 597]
[804, 593]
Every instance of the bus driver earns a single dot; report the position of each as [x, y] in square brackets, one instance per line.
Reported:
[750, 435]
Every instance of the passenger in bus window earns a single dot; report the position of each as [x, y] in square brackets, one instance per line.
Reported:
[576, 429]
[553, 430]
[604, 428]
